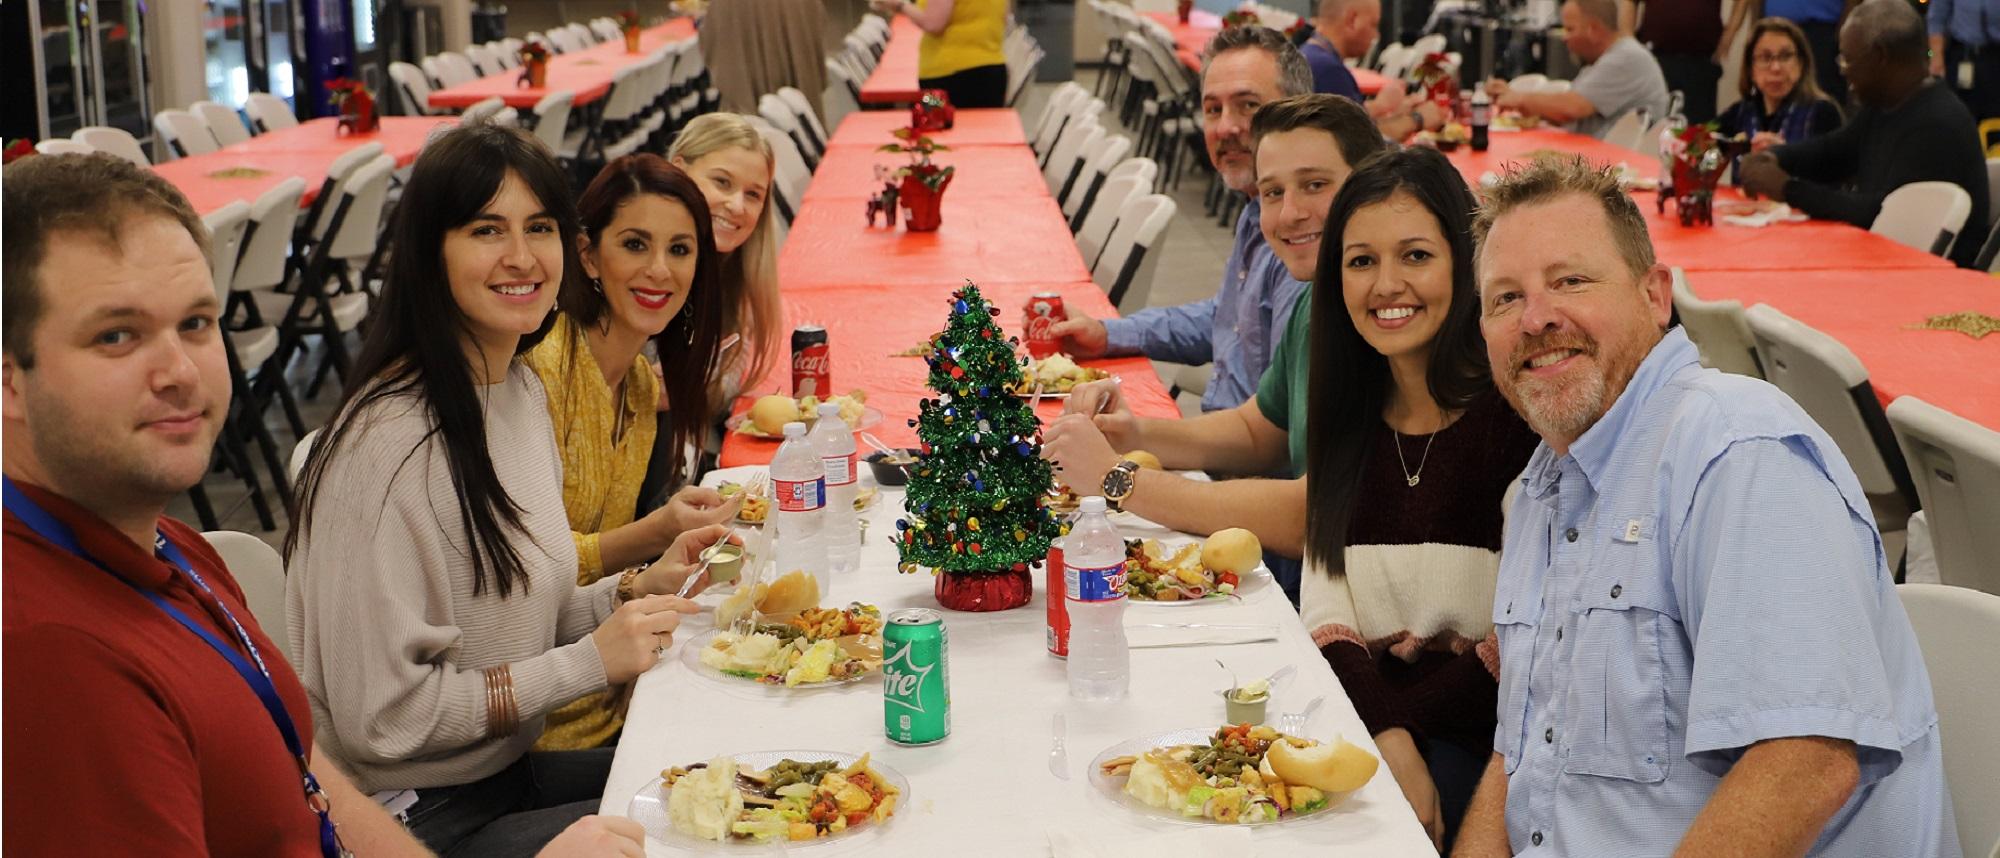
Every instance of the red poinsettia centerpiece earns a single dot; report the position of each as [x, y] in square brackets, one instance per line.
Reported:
[628, 23]
[1183, 9]
[1438, 75]
[1241, 18]
[1696, 157]
[355, 103]
[932, 112]
[534, 64]
[922, 182]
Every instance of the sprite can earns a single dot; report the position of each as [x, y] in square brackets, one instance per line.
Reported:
[916, 677]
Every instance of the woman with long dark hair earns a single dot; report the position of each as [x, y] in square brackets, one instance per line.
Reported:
[432, 592]
[648, 254]
[1781, 101]
[1410, 453]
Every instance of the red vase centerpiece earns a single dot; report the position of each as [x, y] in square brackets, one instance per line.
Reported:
[534, 65]
[975, 512]
[932, 112]
[628, 23]
[920, 185]
[356, 106]
[1241, 18]
[1695, 158]
[1183, 9]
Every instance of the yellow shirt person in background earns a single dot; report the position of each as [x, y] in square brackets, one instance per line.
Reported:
[961, 50]
[649, 251]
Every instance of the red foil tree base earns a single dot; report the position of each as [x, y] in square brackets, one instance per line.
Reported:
[984, 591]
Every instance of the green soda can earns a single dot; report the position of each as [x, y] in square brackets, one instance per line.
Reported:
[916, 677]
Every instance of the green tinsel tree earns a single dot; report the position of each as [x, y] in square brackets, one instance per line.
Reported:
[975, 493]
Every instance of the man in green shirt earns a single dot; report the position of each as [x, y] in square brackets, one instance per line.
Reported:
[1305, 147]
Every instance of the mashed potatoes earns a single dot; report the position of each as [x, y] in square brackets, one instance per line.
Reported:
[704, 802]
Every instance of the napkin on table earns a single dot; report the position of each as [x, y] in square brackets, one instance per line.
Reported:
[1217, 842]
[1157, 635]
[1777, 213]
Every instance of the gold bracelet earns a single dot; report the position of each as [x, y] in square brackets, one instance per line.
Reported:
[503, 714]
[628, 584]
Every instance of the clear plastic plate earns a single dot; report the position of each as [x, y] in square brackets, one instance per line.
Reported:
[649, 809]
[691, 656]
[1112, 787]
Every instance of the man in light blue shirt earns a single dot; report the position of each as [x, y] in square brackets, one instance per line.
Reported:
[1237, 329]
[1701, 649]
[1965, 51]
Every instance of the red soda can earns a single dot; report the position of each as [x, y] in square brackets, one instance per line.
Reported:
[1058, 606]
[812, 365]
[1043, 311]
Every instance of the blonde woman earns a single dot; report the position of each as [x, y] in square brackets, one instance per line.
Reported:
[733, 165]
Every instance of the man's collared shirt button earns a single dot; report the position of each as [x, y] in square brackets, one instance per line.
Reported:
[1535, 838]
[1559, 633]
[1616, 589]
[1569, 535]
[1549, 736]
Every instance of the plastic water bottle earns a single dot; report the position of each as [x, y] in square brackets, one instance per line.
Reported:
[1100, 662]
[1482, 117]
[798, 491]
[833, 440]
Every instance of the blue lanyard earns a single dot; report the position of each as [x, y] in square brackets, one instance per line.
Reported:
[252, 669]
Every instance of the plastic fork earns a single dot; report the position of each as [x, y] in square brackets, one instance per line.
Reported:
[1294, 723]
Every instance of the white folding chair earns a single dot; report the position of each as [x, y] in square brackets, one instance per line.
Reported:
[352, 229]
[1956, 466]
[1066, 159]
[1125, 270]
[413, 88]
[1528, 83]
[552, 121]
[481, 111]
[803, 109]
[1992, 190]
[263, 265]
[60, 146]
[433, 72]
[269, 113]
[1831, 385]
[1718, 330]
[1103, 215]
[774, 110]
[184, 133]
[1097, 165]
[260, 571]
[1924, 215]
[1082, 112]
[113, 141]
[1959, 631]
[788, 186]
[1626, 130]
[225, 240]
[1055, 114]
[454, 68]
[224, 123]
[842, 95]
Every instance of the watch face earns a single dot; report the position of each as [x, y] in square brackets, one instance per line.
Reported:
[1118, 483]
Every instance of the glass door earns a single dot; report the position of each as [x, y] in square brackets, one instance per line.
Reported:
[62, 67]
[275, 43]
[226, 34]
[118, 49]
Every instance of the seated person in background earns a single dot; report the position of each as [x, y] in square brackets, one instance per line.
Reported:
[1348, 28]
[1620, 76]
[1305, 148]
[1700, 641]
[649, 256]
[432, 573]
[1909, 129]
[1411, 455]
[1244, 68]
[116, 385]
[1781, 102]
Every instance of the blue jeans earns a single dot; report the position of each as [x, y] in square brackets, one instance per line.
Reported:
[515, 812]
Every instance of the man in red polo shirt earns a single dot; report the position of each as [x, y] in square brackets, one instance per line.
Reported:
[145, 711]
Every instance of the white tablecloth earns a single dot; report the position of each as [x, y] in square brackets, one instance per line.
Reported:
[987, 790]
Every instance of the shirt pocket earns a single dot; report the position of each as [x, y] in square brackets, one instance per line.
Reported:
[1513, 614]
[1615, 706]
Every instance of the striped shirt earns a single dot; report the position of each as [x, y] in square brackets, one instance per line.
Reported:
[1700, 573]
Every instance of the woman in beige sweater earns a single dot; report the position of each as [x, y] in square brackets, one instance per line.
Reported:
[431, 595]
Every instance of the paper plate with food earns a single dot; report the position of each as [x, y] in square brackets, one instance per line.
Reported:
[1515, 122]
[769, 414]
[1057, 374]
[1226, 566]
[774, 802]
[1236, 775]
[789, 643]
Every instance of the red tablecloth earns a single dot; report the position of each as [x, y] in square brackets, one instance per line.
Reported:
[982, 172]
[587, 73]
[1812, 245]
[305, 151]
[1192, 37]
[867, 325]
[1870, 312]
[975, 127]
[894, 80]
[991, 240]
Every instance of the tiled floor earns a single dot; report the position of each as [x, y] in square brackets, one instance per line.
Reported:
[1190, 268]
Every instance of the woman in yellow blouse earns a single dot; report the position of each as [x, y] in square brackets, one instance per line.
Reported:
[960, 52]
[648, 249]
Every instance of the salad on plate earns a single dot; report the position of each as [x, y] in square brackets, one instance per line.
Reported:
[1240, 775]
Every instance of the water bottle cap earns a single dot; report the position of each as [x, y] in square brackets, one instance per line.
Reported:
[795, 429]
[1092, 504]
[829, 409]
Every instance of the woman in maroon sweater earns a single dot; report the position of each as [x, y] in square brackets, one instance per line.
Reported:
[1411, 453]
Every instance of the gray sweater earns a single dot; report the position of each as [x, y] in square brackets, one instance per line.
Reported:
[389, 637]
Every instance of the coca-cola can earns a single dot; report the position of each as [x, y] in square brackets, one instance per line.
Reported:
[812, 363]
[1043, 311]
[1058, 606]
